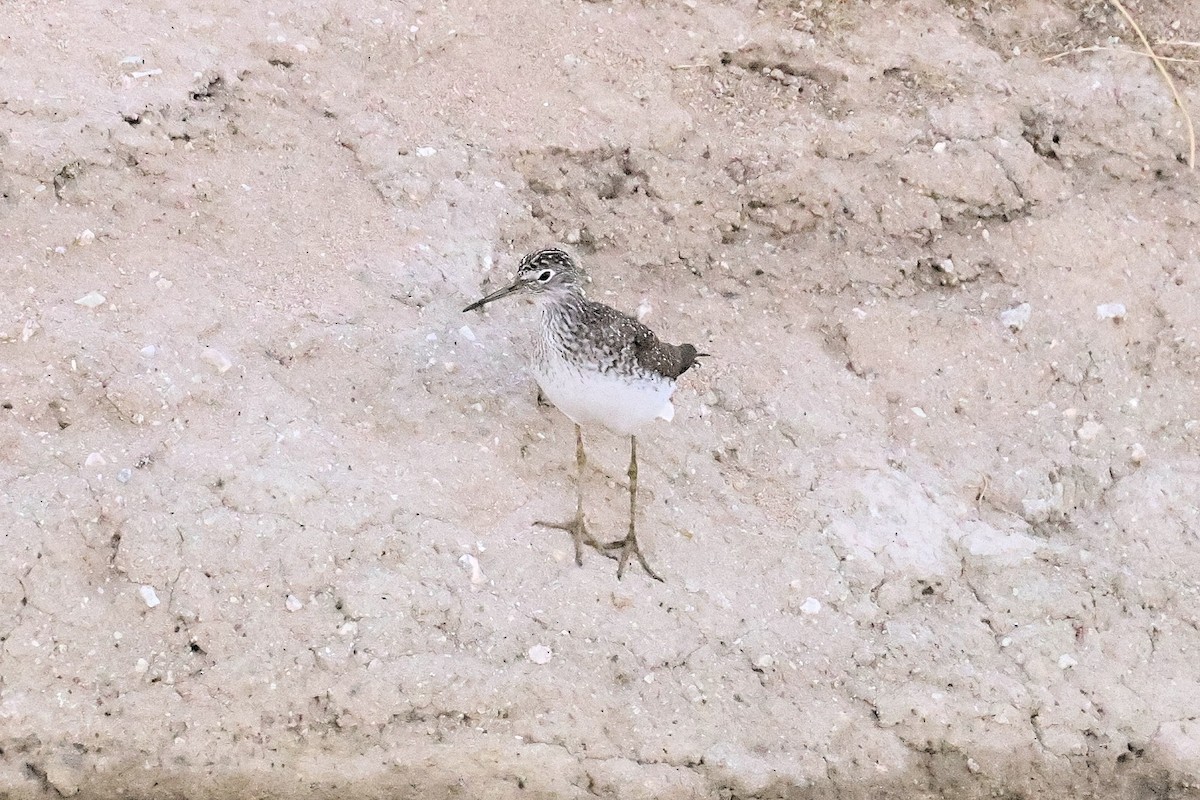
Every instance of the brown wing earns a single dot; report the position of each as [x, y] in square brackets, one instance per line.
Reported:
[630, 341]
[671, 360]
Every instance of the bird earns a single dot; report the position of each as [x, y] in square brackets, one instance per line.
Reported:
[597, 366]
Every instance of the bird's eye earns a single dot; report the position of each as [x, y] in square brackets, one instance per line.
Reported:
[545, 276]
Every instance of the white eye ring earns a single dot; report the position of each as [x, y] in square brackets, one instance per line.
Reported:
[545, 275]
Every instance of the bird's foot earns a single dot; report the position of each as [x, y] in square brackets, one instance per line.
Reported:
[629, 546]
[580, 536]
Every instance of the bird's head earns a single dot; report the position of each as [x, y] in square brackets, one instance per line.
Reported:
[547, 273]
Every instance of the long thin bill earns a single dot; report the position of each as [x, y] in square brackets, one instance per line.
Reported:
[496, 295]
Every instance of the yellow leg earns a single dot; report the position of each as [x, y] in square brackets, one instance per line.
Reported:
[629, 545]
[577, 527]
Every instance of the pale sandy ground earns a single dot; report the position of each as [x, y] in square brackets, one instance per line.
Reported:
[909, 551]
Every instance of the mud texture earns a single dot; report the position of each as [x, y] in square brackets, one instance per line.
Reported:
[927, 515]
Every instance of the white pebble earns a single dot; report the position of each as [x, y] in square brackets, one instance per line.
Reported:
[1066, 662]
[91, 300]
[1089, 430]
[293, 603]
[467, 333]
[349, 628]
[811, 606]
[764, 662]
[471, 564]
[148, 595]
[644, 310]
[1113, 311]
[939, 147]
[540, 654]
[86, 237]
[141, 666]
[216, 359]
[1137, 453]
[148, 351]
[920, 412]
[125, 475]
[94, 460]
[1016, 317]
[426, 152]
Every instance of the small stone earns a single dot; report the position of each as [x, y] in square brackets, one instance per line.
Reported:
[540, 654]
[1113, 311]
[125, 475]
[91, 300]
[621, 600]
[467, 333]
[141, 666]
[149, 351]
[1015, 318]
[919, 412]
[348, 628]
[148, 595]
[973, 766]
[1137, 453]
[64, 778]
[94, 460]
[764, 661]
[293, 603]
[30, 327]
[426, 152]
[1066, 662]
[471, 564]
[811, 606]
[1089, 430]
[939, 147]
[86, 237]
[216, 359]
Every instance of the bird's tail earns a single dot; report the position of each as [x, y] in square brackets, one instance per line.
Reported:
[688, 357]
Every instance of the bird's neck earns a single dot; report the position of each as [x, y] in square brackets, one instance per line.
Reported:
[561, 302]
[561, 312]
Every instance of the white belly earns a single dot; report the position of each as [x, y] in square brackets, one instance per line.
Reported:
[622, 405]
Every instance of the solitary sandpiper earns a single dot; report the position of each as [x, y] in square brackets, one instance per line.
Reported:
[598, 366]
